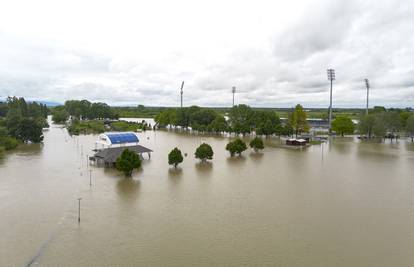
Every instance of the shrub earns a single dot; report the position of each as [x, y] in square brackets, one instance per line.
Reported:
[8, 142]
[127, 162]
[257, 144]
[204, 152]
[175, 157]
[236, 147]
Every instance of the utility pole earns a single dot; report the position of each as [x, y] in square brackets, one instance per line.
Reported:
[233, 90]
[90, 177]
[367, 85]
[79, 199]
[331, 78]
[182, 86]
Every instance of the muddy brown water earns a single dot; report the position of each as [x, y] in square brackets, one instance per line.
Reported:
[341, 204]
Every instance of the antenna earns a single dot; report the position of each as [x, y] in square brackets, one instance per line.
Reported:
[233, 90]
[367, 85]
[182, 86]
[331, 78]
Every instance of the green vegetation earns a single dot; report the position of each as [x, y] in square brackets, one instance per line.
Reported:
[297, 120]
[236, 147]
[125, 126]
[84, 109]
[175, 157]
[380, 123]
[257, 144]
[21, 122]
[127, 162]
[242, 120]
[410, 127]
[204, 152]
[60, 115]
[343, 125]
[77, 127]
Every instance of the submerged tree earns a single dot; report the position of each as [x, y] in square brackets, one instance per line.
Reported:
[343, 125]
[127, 162]
[204, 152]
[257, 144]
[175, 157]
[297, 120]
[410, 127]
[236, 147]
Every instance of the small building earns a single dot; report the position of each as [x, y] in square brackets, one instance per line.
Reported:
[296, 142]
[110, 146]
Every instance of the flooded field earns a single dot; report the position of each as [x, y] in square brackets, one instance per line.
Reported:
[340, 204]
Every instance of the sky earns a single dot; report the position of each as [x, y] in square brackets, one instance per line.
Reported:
[275, 53]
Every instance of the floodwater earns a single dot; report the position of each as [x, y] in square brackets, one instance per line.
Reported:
[340, 204]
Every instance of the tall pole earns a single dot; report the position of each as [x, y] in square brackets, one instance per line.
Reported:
[233, 90]
[182, 86]
[367, 85]
[331, 78]
[90, 177]
[79, 199]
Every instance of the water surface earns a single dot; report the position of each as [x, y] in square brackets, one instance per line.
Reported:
[341, 204]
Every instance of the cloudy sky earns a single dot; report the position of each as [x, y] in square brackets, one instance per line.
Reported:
[275, 52]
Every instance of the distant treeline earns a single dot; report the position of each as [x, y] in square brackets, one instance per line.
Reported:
[242, 119]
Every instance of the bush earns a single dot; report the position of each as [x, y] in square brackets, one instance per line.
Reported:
[127, 162]
[60, 116]
[204, 152]
[257, 144]
[175, 157]
[8, 142]
[236, 147]
[1, 152]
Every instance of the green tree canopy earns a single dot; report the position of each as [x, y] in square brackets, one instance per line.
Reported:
[257, 144]
[240, 118]
[127, 162]
[60, 115]
[410, 127]
[175, 157]
[297, 120]
[236, 147]
[204, 152]
[343, 125]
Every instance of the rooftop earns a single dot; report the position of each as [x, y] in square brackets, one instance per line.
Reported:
[109, 155]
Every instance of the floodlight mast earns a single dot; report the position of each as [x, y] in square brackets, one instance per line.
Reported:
[331, 78]
[233, 90]
[368, 86]
[182, 86]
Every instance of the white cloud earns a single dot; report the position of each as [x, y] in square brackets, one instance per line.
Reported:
[276, 54]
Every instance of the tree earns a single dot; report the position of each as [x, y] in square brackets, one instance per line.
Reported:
[236, 147]
[127, 162]
[266, 122]
[392, 122]
[241, 119]
[30, 130]
[366, 124]
[219, 124]
[60, 115]
[343, 125]
[204, 152]
[257, 144]
[297, 120]
[410, 127]
[175, 157]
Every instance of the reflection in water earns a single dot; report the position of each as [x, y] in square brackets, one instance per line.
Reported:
[175, 172]
[256, 156]
[204, 166]
[128, 188]
[236, 160]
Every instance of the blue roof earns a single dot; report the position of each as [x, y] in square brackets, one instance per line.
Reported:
[122, 138]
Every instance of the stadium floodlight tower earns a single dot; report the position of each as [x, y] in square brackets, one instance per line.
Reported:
[233, 90]
[367, 85]
[331, 78]
[182, 86]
